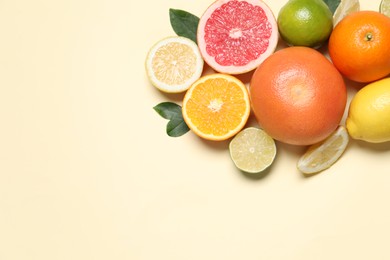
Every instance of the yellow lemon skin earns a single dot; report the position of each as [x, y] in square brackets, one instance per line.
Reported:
[369, 113]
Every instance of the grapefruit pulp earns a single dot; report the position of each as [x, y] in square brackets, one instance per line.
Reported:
[235, 36]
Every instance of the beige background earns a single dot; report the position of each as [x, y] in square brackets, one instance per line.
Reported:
[87, 171]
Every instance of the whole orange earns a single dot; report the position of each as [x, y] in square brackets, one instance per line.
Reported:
[298, 96]
[359, 46]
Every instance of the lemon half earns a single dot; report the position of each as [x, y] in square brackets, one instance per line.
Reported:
[173, 64]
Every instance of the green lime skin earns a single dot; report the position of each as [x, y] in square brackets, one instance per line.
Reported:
[305, 23]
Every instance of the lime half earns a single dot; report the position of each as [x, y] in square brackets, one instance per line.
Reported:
[252, 150]
[345, 8]
[324, 154]
[384, 8]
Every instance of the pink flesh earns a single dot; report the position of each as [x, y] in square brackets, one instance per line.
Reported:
[237, 33]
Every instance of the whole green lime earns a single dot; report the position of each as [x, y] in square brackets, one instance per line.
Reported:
[305, 23]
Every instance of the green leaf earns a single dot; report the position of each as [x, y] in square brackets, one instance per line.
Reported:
[332, 4]
[184, 23]
[171, 111]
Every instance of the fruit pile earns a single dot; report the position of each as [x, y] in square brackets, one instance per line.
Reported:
[296, 93]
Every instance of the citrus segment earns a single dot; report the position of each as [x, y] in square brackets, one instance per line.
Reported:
[216, 107]
[384, 7]
[173, 64]
[345, 8]
[322, 155]
[252, 150]
[235, 36]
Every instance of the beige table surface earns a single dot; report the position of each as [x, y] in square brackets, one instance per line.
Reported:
[87, 171]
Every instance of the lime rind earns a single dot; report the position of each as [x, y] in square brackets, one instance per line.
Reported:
[384, 7]
[312, 29]
[323, 155]
[252, 150]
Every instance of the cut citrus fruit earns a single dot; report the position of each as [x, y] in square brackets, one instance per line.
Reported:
[324, 154]
[384, 7]
[216, 106]
[252, 150]
[345, 8]
[173, 64]
[235, 36]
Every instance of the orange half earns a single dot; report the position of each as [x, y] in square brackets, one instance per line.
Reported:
[216, 106]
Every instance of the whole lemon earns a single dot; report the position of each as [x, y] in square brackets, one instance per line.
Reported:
[305, 23]
[369, 113]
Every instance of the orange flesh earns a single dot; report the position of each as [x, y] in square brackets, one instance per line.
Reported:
[216, 107]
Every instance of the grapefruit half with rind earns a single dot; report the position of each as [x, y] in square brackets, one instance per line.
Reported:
[236, 36]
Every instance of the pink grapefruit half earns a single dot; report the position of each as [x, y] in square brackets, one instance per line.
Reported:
[236, 36]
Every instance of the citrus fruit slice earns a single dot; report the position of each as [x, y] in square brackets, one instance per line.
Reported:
[252, 150]
[324, 154]
[216, 106]
[235, 36]
[384, 7]
[173, 64]
[345, 8]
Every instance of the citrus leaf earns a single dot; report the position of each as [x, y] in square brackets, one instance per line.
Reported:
[171, 111]
[332, 4]
[184, 23]
[167, 110]
[177, 127]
